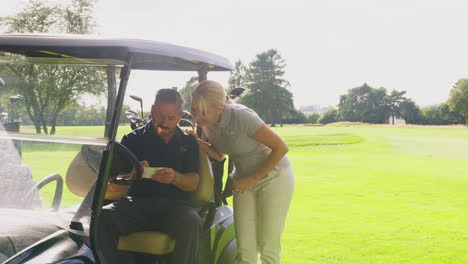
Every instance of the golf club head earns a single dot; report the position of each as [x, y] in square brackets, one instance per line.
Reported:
[2, 82]
[135, 120]
[136, 98]
[185, 123]
[131, 113]
[187, 115]
[237, 92]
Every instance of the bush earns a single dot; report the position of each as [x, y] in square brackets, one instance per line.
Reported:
[329, 116]
[312, 118]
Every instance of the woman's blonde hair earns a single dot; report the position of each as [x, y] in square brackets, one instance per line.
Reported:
[209, 95]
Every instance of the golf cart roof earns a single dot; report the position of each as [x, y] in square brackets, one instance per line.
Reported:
[145, 54]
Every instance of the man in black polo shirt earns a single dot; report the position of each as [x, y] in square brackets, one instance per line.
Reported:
[159, 203]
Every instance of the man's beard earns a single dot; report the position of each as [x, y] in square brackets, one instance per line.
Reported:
[165, 131]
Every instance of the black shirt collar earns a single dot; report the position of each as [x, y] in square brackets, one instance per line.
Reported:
[149, 129]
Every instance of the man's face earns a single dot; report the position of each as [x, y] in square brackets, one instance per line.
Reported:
[165, 116]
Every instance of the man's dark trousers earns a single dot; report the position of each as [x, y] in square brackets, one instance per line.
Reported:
[176, 218]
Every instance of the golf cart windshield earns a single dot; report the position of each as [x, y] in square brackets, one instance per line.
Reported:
[49, 162]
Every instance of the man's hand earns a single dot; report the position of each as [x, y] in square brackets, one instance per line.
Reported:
[116, 187]
[112, 187]
[165, 175]
[144, 164]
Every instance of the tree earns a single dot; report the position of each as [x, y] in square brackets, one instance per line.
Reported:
[329, 116]
[38, 16]
[82, 115]
[48, 89]
[431, 115]
[364, 104]
[35, 17]
[458, 100]
[187, 90]
[410, 112]
[441, 115]
[237, 77]
[450, 117]
[269, 95]
[296, 117]
[394, 100]
[79, 17]
[313, 118]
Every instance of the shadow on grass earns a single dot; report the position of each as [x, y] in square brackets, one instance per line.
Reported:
[31, 146]
[323, 139]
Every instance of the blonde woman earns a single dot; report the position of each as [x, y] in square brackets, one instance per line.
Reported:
[264, 181]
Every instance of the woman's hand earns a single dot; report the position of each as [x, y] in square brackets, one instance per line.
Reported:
[192, 133]
[203, 145]
[243, 184]
[206, 146]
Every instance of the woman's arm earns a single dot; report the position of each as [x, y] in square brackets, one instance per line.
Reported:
[207, 147]
[210, 150]
[269, 138]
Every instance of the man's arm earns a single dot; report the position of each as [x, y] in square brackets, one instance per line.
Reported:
[186, 181]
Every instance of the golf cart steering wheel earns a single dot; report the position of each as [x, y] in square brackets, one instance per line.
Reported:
[28, 198]
[122, 152]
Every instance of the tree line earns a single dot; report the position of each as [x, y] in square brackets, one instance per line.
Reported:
[377, 106]
[48, 90]
[81, 115]
[270, 98]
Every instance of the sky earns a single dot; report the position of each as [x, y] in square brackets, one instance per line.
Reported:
[419, 46]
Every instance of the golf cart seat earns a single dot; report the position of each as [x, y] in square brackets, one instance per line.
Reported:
[159, 243]
[82, 171]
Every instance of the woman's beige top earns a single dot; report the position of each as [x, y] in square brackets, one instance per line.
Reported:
[234, 137]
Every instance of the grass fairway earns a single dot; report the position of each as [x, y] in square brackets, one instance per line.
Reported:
[364, 194]
[394, 195]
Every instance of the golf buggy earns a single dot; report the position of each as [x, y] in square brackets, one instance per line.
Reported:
[53, 219]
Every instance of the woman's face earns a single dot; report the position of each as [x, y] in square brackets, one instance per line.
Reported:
[212, 116]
